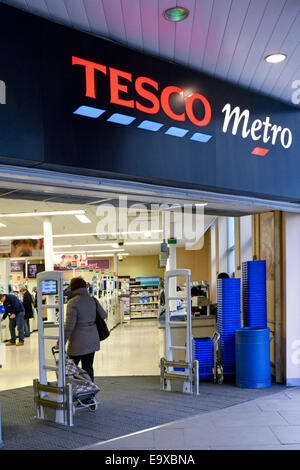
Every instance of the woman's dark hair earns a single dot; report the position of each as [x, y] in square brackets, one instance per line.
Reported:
[223, 276]
[77, 283]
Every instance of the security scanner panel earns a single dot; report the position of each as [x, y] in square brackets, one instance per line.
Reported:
[49, 287]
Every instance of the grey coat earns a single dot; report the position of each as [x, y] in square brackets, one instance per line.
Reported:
[80, 326]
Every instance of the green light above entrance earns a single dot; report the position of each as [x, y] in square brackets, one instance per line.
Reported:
[176, 14]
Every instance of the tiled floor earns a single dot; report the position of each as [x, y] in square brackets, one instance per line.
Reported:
[263, 424]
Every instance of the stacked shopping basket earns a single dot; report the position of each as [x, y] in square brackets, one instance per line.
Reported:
[228, 320]
[203, 352]
[254, 294]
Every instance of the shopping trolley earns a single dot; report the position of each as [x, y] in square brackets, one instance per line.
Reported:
[84, 391]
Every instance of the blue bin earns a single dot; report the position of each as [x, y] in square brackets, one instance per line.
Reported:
[253, 365]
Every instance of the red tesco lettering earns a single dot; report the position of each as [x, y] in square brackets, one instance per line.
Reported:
[120, 81]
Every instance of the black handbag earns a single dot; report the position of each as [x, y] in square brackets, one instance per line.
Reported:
[101, 325]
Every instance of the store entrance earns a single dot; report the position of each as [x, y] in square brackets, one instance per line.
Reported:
[114, 241]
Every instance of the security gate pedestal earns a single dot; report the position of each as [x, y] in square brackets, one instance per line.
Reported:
[170, 378]
[53, 399]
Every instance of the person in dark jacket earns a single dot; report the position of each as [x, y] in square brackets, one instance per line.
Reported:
[28, 306]
[34, 293]
[15, 310]
[80, 326]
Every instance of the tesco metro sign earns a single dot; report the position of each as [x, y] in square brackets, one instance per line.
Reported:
[236, 120]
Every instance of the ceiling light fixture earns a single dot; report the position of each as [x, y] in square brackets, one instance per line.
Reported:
[103, 255]
[62, 246]
[83, 218]
[96, 244]
[101, 233]
[176, 14]
[86, 251]
[47, 213]
[275, 58]
[142, 243]
[68, 235]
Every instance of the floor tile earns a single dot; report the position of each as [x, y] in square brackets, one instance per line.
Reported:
[243, 435]
[291, 417]
[287, 434]
[278, 405]
[168, 438]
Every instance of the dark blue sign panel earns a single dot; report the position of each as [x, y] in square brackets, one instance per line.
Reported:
[83, 103]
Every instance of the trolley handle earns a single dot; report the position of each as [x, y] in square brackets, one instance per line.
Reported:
[216, 337]
[54, 350]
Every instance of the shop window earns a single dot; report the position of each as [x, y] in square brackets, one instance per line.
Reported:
[230, 246]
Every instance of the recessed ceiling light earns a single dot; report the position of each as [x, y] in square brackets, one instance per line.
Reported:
[275, 58]
[83, 219]
[2, 225]
[176, 14]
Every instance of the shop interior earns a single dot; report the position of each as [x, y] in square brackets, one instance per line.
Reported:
[126, 271]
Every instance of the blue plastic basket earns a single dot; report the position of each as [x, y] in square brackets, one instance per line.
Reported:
[204, 353]
[254, 294]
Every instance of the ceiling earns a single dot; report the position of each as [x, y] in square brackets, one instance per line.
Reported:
[68, 230]
[224, 38]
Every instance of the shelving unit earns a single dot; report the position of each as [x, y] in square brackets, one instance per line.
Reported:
[144, 300]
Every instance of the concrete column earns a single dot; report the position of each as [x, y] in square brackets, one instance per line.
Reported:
[49, 263]
[4, 274]
[292, 301]
[115, 263]
[48, 244]
[171, 265]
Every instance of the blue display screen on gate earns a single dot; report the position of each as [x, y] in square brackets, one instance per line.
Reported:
[49, 287]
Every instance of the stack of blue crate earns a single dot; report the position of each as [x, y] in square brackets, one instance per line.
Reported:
[203, 351]
[254, 294]
[228, 320]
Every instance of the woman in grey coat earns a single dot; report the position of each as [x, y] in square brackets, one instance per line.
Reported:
[80, 326]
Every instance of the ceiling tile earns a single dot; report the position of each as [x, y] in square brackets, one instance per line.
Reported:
[263, 34]
[231, 36]
[149, 21]
[38, 7]
[132, 21]
[247, 36]
[201, 21]
[285, 22]
[114, 19]
[58, 12]
[183, 34]
[166, 32]
[77, 13]
[215, 35]
[96, 17]
[289, 47]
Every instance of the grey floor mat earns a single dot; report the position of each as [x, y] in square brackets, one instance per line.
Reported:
[129, 404]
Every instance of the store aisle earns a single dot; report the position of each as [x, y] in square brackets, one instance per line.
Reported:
[131, 349]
